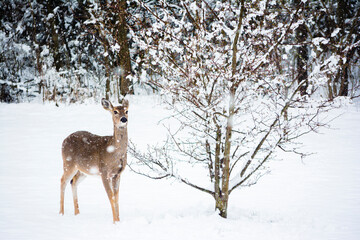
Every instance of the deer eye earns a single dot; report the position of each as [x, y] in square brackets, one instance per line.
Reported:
[116, 112]
[126, 112]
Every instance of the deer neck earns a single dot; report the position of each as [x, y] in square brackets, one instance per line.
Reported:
[120, 139]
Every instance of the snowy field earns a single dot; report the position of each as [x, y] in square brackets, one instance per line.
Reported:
[314, 198]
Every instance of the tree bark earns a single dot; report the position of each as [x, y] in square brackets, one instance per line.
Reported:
[301, 55]
[219, 202]
[342, 12]
[107, 74]
[124, 53]
[222, 200]
[54, 45]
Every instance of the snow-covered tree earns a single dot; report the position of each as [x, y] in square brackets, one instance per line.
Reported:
[16, 56]
[228, 70]
[333, 32]
[108, 22]
[63, 50]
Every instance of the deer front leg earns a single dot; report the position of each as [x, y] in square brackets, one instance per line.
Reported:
[115, 185]
[106, 181]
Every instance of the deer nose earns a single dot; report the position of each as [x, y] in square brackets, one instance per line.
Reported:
[123, 119]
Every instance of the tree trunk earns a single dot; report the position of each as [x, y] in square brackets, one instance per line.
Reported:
[124, 53]
[344, 80]
[222, 196]
[301, 56]
[222, 204]
[342, 12]
[107, 74]
[220, 201]
[54, 45]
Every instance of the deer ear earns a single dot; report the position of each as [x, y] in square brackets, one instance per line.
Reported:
[125, 103]
[106, 104]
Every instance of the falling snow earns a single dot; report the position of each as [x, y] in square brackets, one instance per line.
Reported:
[94, 170]
[110, 149]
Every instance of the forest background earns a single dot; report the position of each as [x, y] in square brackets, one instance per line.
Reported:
[68, 51]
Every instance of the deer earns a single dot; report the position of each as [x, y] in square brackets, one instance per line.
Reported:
[84, 153]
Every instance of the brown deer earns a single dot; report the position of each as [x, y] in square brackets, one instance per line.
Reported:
[85, 153]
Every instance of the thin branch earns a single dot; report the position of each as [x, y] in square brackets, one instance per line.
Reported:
[191, 17]
[146, 159]
[237, 160]
[256, 169]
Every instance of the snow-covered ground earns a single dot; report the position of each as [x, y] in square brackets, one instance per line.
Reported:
[314, 198]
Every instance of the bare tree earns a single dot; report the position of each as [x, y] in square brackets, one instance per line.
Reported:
[235, 105]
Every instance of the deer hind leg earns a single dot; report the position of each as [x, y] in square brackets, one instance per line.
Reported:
[106, 181]
[65, 179]
[79, 176]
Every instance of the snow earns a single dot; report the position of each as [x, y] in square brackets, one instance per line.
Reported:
[94, 170]
[335, 32]
[314, 198]
[110, 149]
